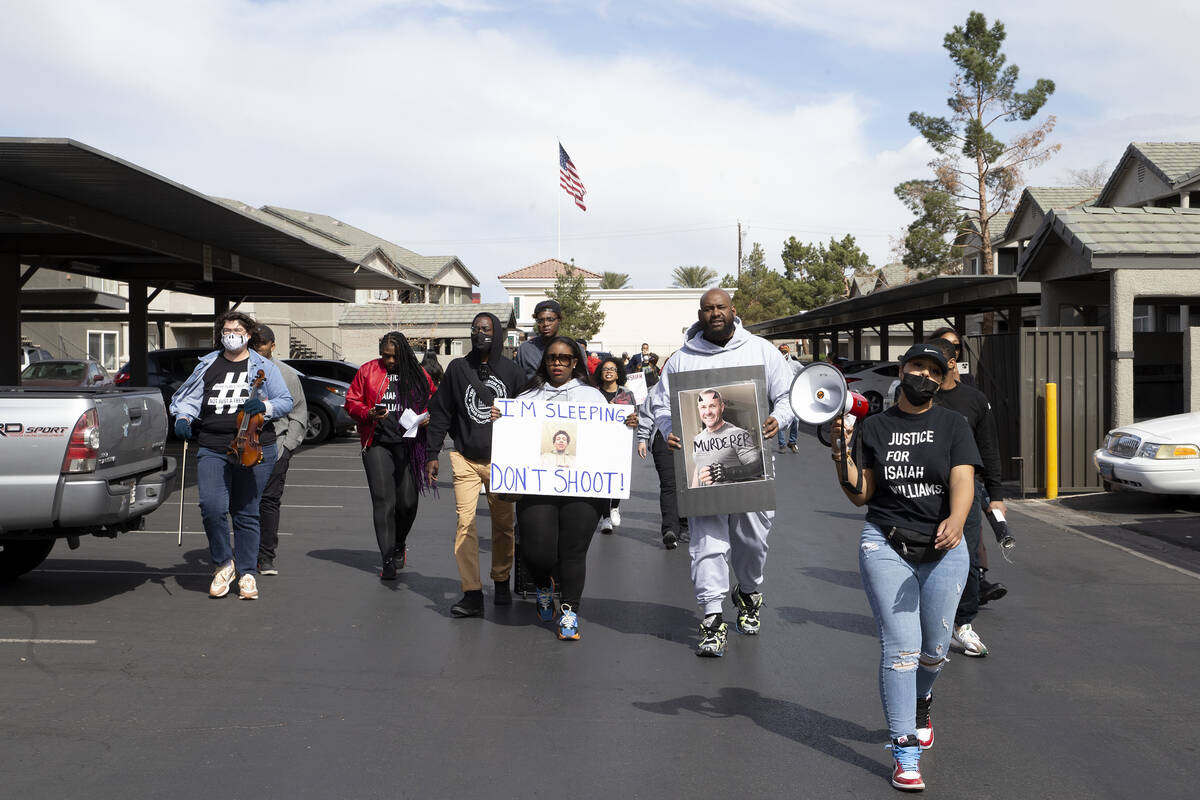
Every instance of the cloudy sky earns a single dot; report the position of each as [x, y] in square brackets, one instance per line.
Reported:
[434, 123]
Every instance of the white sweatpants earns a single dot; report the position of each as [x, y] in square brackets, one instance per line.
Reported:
[724, 540]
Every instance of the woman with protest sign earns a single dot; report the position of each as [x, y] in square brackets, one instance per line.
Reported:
[916, 476]
[557, 530]
[380, 393]
[610, 377]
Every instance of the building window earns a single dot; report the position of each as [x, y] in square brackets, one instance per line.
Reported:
[102, 347]
[102, 285]
[517, 307]
[1143, 318]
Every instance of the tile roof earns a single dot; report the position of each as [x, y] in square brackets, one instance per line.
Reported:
[357, 240]
[1176, 160]
[1048, 198]
[402, 314]
[1123, 231]
[550, 268]
[895, 274]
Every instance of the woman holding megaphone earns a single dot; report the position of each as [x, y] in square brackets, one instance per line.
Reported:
[915, 464]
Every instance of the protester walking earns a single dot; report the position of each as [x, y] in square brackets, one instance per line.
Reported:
[609, 375]
[206, 406]
[289, 435]
[556, 530]
[790, 435]
[974, 407]
[547, 316]
[650, 441]
[915, 475]
[737, 540]
[464, 408]
[380, 393]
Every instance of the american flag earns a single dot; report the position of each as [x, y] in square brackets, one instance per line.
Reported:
[568, 178]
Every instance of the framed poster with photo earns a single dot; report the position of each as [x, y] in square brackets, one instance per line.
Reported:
[724, 466]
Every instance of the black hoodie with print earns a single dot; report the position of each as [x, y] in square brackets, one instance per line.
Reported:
[463, 403]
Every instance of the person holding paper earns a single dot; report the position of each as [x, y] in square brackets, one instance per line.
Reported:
[610, 377]
[721, 541]
[381, 394]
[464, 409]
[557, 530]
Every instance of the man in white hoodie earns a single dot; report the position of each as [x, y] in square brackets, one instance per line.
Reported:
[739, 540]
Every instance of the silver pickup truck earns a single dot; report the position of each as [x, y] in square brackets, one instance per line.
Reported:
[75, 462]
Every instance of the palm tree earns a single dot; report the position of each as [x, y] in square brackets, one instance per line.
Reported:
[614, 280]
[693, 277]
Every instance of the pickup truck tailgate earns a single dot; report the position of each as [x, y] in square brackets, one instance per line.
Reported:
[34, 431]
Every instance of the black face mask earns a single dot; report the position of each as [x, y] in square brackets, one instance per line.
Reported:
[918, 389]
[481, 341]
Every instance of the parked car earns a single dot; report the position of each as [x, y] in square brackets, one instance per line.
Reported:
[30, 354]
[1158, 456]
[64, 373]
[167, 369]
[872, 382]
[77, 462]
[343, 371]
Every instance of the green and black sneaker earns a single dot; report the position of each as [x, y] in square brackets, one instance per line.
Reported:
[713, 632]
[748, 606]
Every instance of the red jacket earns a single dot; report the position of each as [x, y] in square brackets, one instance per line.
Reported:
[365, 392]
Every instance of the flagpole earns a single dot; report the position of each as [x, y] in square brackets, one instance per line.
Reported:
[558, 221]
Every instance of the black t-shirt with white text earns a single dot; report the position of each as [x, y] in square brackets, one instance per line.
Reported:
[225, 390]
[388, 430]
[911, 456]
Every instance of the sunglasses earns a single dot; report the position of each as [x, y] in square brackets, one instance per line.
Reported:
[554, 358]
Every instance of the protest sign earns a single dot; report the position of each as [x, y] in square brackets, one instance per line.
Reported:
[636, 383]
[723, 466]
[563, 449]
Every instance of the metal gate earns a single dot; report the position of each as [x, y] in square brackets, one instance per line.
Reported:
[1013, 370]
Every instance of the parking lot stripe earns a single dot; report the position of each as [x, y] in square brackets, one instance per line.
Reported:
[47, 641]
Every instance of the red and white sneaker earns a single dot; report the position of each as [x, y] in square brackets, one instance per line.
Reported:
[907, 772]
[924, 722]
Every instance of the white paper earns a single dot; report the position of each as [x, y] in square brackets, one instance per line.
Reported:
[636, 383]
[412, 422]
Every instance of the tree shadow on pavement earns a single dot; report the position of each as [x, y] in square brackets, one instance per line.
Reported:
[803, 725]
[841, 577]
[837, 620]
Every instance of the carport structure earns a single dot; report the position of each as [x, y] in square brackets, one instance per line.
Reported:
[69, 207]
[947, 298]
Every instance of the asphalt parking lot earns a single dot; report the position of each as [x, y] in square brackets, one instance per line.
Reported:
[121, 678]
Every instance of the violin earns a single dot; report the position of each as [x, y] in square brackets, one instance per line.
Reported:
[246, 444]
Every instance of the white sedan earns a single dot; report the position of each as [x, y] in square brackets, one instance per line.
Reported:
[872, 382]
[1159, 456]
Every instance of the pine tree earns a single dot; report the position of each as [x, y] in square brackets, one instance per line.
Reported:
[581, 316]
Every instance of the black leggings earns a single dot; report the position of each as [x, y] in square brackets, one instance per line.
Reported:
[393, 495]
[556, 532]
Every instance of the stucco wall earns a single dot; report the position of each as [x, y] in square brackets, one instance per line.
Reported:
[1191, 370]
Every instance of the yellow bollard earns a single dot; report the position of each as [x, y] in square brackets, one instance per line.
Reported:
[1051, 441]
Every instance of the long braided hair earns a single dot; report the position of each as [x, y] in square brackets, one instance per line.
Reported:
[412, 391]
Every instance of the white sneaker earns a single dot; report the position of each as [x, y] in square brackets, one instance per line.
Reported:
[248, 587]
[606, 525]
[966, 638]
[614, 516]
[222, 578]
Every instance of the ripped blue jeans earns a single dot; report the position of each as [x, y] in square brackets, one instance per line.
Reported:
[914, 608]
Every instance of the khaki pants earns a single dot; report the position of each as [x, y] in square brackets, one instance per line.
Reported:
[468, 477]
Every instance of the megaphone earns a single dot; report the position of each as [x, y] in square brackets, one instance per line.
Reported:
[819, 394]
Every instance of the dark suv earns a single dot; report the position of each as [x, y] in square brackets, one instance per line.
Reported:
[166, 370]
[343, 371]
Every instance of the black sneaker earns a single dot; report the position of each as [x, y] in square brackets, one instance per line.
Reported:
[669, 540]
[388, 573]
[748, 606]
[503, 596]
[925, 722]
[266, 566]
[684, 537]
[713, 634]
[471, 605]
[988, 591]
[402, 558]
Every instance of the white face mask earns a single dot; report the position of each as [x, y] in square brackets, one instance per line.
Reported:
[234, 341]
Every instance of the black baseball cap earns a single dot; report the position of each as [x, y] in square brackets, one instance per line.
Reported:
[264, 334]
[548, 305]
[930, 351]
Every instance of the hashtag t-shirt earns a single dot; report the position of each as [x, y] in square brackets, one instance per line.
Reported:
[225, 389]
[911, 456]
[728, 445]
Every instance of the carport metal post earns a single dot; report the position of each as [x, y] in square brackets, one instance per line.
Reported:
[856, 337]
[138, 339]
[885, 347]
[10, 319]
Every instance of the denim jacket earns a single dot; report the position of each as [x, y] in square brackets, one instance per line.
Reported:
[276, 397]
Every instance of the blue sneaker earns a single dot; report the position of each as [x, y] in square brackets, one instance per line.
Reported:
[568, 624]
[545, 603]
